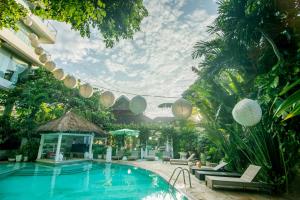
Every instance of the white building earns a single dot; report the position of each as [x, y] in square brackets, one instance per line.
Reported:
[16, 52]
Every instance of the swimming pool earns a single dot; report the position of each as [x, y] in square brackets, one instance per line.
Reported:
[85, 181]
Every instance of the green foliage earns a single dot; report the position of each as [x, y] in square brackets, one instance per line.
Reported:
[30, 149]
[292, 101]
[114, 19]
[11, 13]
[38, 98]
[254, 53]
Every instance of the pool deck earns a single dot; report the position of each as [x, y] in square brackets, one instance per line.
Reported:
[198, 191]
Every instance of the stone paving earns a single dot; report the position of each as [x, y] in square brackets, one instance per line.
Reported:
[198, 191]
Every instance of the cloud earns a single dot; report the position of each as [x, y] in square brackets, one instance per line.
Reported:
[156, 62]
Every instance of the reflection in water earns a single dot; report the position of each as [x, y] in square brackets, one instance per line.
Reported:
[107, 175]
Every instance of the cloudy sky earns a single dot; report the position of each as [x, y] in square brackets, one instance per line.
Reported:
[156, 62]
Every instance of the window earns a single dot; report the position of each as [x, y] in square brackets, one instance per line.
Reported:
[10, 66]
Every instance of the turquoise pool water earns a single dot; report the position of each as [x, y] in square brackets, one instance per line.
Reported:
[86, 181]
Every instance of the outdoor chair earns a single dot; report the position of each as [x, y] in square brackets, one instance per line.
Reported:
[119, 155]
[134, 155]
[245, 182]
[202, 174]
[182, 161]
[219, 167]
[150, 156]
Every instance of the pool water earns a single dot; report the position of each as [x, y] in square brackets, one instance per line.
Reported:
[85, 181]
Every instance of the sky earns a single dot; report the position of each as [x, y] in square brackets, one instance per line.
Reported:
[156, 62]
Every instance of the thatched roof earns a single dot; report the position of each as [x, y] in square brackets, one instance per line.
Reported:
[128, 117]
[124, 115]
[71, 123]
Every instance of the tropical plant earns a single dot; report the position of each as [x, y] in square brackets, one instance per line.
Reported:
[252, 53]
[38, 98]
[115, 19]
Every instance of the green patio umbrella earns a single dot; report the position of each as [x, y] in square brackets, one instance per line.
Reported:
[127, 132]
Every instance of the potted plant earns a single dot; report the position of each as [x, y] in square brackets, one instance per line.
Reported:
[11, 156]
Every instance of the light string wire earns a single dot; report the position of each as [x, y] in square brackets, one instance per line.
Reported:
[129, 93]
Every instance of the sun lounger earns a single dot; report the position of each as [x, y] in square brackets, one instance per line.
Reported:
[219, 167]
[202, 174]
[182, 161]
[119, 155]
[242, 183]
[134, 155]
[150, 156]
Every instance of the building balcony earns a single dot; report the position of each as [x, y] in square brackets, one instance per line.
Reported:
[19, 45]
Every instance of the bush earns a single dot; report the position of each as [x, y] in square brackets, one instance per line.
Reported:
[30, 149]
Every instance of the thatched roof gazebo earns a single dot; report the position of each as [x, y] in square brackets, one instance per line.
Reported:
[69, 137]
[70, 122]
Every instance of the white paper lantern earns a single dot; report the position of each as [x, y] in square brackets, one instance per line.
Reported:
[27, 21]
[58, 74]
[39, 51]
[50, 65]
[70, 81]
[247, 112]
[35, 43]
[107, 99]
[182, 109]
[138, 104]
[86, 90]
[33, 37]
[44, 58]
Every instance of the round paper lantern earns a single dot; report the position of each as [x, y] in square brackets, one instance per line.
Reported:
[33, 37]
[58, 74]
[50, 65]
[247, 112]
[107, 99]
[138, 104]
[86, 90]
[70, 81]
[27, 21]
[39, 51]
[182, 109]
[35, 43]
[44, 58]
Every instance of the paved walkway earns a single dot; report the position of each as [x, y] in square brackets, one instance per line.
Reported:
[198, 191]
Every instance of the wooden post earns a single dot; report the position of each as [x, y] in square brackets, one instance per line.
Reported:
[41, 147]
[58, 147]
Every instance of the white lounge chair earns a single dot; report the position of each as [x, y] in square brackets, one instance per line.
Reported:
[119, 155]
[134, 155]
[182, 161]
[150, 156]
[219, 167]
[216, 168]
[242, 183]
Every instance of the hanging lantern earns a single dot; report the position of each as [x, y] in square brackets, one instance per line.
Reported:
[247, 112]
[86, 90]
[138, 104]
[44, 58]
[58, 74]
[33, 37]
[27, 21]
[182, 109]
[50, 65]
[107, 99]
[39, 51]
[35, 43]
[70, 81]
